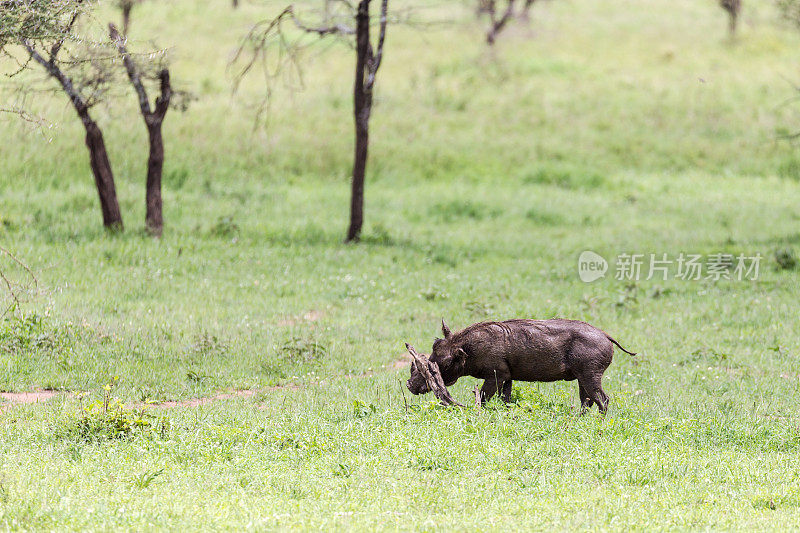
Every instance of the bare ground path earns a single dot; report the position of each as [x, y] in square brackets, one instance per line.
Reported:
[13, 399]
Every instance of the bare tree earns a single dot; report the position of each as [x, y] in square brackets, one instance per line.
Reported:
[733, 8]
[153, 120]
[368, 61]
[12, 289]
[500, 13]
[498, 18]
[47, 55]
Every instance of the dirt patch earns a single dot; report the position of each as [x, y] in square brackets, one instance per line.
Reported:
[311, 316]
[37, 396]
[401, 363]
[196, 402]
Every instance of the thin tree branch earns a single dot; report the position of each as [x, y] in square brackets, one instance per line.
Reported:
[133, 71]
[162, 102]
[335, 29]
[60, 42]
[497, 25]
[7, 282]
[81, 106]
[375, 61]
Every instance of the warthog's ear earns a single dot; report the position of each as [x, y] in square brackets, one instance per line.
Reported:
[445, 330]
[460, 359]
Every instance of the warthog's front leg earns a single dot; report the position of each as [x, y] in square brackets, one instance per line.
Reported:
[488, 390]
[507, 391]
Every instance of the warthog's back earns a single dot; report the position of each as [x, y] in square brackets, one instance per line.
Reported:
[533, 350]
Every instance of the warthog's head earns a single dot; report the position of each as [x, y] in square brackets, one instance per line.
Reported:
[417, 383]
[426, 377]
[448, 357]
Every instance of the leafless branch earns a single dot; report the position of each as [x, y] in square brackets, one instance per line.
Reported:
[374, 61]
[497, 24]
[80, 104]
[60, 42]
[130, 67]
[9, 286]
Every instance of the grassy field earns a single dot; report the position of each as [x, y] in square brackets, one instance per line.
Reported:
[611, 126]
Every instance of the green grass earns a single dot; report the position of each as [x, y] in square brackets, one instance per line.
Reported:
[609, 125]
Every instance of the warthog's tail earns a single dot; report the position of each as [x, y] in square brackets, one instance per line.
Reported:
[618, 345]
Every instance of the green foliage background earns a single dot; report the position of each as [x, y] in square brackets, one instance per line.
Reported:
[611, 125]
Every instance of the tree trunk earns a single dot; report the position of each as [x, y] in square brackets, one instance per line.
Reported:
[154, 219]
[126, 17]
[733, 23]
[103, 176]
[98, 157]
[362, 106]
[359, 172]
[733, 7]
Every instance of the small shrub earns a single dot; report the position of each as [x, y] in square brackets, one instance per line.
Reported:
[379, 235]
[225, 227]
[362, 410]
[28, 333]
[206, 344]
[628, 297]
[459, 210]
[564, 178]
[479, 309]
[785, 258]
[433, 294]
[709, 355]
[790, 9]
[146, 478]
[541, 217]
[108, 418]
[790, 169]
[298, 350]
[176, 178]
[429, 464]
[773, 502]
[196, 378]
[342, 470]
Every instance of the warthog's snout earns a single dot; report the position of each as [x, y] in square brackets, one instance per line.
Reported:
[417, 383]
[426, 377]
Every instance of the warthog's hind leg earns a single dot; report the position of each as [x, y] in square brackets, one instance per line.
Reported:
[586, 401]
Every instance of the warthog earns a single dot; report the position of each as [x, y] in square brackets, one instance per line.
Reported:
[525, 350]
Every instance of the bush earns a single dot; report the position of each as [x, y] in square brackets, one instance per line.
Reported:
[785, 259]
[790, 9]
[108, 418]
